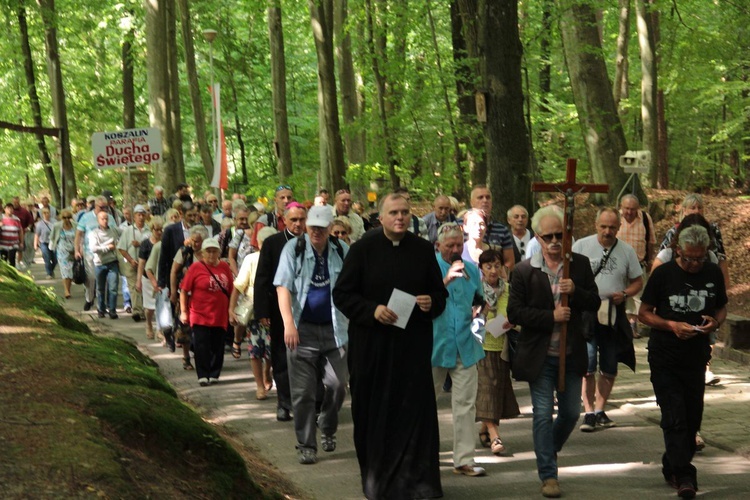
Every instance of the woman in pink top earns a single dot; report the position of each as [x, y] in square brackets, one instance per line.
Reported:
[204, 303]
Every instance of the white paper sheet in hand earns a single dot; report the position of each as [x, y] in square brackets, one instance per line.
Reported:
[402, 304]
[495, 327]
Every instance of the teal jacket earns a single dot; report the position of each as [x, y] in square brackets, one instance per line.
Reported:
[451, 331]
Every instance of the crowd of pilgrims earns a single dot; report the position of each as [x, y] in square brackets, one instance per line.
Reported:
[201, 274]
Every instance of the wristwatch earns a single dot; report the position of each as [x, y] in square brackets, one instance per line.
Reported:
[624, 294]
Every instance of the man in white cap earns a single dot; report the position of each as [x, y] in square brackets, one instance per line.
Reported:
[128, 246]
[315, 331]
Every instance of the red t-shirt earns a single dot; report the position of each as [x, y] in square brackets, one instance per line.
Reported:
[208, 304]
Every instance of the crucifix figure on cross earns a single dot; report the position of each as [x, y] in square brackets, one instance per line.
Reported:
[570, 188]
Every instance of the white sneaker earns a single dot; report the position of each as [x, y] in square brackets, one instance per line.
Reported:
[203, 381]
[213, 380]
[711, 379]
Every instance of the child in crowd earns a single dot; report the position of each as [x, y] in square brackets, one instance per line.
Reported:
[495, 397]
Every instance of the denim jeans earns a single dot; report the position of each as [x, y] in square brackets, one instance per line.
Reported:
[107, 281]
[549, 435]
[50, 258]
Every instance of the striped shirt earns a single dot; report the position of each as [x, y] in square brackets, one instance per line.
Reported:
[498, 236]
[10, 233]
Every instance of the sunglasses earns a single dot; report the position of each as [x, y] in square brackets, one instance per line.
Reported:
[340, 233]
[693, 260]
[283, 187]
[548, 237]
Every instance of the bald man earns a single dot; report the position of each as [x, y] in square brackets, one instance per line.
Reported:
[441, 213]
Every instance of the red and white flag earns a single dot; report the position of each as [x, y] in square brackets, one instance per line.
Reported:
[220, 149]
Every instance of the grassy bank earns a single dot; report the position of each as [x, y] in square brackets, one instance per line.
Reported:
[84, 415]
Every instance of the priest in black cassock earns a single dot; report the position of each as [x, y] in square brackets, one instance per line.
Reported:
[393, 399]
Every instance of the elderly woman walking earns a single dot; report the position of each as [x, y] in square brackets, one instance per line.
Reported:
[62, 242]
[42, 234]
[204, 305]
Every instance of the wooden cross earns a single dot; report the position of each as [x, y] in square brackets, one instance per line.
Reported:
[569, 188]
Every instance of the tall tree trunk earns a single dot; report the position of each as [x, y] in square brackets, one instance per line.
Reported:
[321, 16]
[278, 89]
[57, 90]
[376, 46]
[326, 175]
[353, 140]
[195, 90]
[505, 134]
[36, 110]
[662, 161]
[620, 86]
[174, 91]
[648, 84]
[545, 49]
[592, 92]
[457, 156]
[466, 62]
[128, 85]
[157, 68]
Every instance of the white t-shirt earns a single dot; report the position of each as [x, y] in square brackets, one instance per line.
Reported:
[621, 268]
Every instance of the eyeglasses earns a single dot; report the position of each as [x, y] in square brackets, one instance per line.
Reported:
[693, 260]
[548, 237]
[340, 233]
[283, 187]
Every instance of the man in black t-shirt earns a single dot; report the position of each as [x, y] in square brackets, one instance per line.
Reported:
[684, 301]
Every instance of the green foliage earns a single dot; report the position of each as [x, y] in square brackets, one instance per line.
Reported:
[703, 71]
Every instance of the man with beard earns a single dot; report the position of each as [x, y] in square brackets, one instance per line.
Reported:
[267, 304]
[393, 398]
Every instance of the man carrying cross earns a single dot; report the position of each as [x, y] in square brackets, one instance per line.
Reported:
[536, 304]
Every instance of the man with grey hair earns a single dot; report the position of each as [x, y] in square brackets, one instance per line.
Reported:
[518, 219]
[535, 304]
[618, 275]
[86, 224]
[683, 303]
[158, 205]
[441, 213]
[637, 230]
[455, 349]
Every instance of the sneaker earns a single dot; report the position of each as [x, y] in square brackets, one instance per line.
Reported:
[128, 309]
[203, 381]
[469, 470]
[711, 379]
[101, 314]
[212, 380]
[589, 423]
[87, 306]
[699, 442]
[551, 488]
[686, 490]
[283, 415]
[113, 316]
[602, 420]
[307, 456]
[328, 443]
